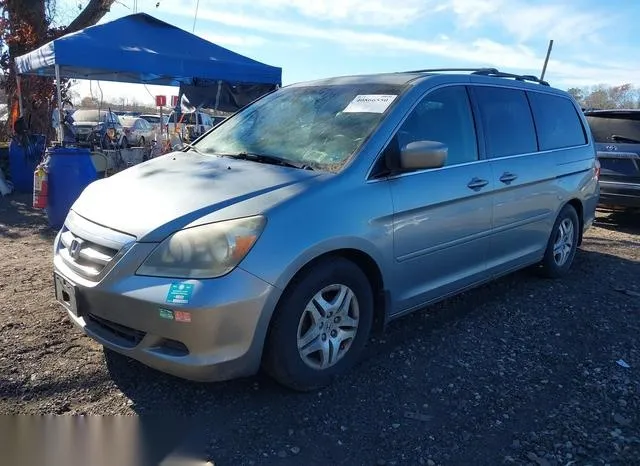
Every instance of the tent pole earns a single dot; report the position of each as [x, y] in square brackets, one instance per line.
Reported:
[59, 95]
[19, 85]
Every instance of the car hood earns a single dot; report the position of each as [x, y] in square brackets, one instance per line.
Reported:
[156, 198]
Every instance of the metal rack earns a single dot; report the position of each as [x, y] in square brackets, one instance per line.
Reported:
[491, 72]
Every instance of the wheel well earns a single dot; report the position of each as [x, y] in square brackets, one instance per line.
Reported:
[577, 204]
[369, 267]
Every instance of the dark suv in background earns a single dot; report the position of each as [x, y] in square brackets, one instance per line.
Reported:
[100, 128]
[617, 137]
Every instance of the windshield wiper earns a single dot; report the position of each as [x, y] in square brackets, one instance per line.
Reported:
[263, 158]
[618, 138]
[194, 148]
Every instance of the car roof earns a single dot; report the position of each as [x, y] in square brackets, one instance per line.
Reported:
[471, 75]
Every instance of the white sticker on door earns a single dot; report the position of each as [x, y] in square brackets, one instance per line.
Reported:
[370, 103]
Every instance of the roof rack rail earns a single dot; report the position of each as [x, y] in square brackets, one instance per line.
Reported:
[518, 77]
[492, 72]
[441, 70]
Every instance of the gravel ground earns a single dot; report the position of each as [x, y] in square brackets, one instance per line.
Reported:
[522, 371]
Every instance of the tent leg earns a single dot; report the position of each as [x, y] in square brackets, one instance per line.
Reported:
[59, 96]
[19, 85]
[218, 96]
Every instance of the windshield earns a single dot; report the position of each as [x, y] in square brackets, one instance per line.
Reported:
[316, 126]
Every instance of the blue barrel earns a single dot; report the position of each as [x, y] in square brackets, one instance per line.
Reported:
[70, 170]
[24, 156]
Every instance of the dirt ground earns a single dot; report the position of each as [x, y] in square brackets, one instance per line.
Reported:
[521, 371]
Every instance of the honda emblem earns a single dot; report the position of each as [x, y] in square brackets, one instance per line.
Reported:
[75, 247]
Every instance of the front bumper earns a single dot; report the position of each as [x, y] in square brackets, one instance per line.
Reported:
[218, 334]
[619, 194]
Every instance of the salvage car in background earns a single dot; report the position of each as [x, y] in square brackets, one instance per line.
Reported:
[617, 136]
[193, 124]
[156, 121]
[138, 131]
[100, 128]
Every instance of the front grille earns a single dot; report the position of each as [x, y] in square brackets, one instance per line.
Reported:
[90, 249]
[86, 257]
[121, 334]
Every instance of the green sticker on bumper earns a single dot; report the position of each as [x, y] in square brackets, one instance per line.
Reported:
[179, 293]
[166, 313]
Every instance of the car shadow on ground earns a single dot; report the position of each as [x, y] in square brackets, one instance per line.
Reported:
[18, 218]
[624, 221]
[405, 370]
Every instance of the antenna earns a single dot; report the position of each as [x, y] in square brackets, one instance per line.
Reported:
[195, 17]
[546, 60]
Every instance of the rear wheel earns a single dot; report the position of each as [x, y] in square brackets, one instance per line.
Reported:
[321, 326]
[562, 245]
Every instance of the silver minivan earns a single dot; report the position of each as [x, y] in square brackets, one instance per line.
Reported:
[290, 232]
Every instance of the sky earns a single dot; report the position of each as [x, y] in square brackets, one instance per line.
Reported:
[595, 42]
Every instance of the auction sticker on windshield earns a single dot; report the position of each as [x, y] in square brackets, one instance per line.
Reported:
[370, 103]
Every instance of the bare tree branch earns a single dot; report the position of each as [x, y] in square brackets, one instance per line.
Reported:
[92, 13]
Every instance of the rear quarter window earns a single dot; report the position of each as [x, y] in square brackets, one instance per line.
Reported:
[557, 121]
[507, 121]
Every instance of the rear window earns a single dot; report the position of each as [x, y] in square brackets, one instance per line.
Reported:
[185, 118]
[92, 115]
[557, 121]
[151, 119]
[615, 127]
[507, 121]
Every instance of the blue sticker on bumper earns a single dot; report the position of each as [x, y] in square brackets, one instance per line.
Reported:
[179, 293]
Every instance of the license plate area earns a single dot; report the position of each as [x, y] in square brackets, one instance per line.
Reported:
[66, 294]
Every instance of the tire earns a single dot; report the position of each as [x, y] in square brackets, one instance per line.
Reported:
[558, 265]
[283, 360]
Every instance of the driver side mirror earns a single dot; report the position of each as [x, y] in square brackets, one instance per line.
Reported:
[419, 155]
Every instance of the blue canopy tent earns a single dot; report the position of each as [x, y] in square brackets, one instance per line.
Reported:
[139, 48]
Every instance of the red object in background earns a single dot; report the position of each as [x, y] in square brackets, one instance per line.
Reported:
[40, 188]
[174, 100]
[161, 100]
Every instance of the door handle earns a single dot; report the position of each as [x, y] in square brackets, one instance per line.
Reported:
[477, 184]
[507, 177]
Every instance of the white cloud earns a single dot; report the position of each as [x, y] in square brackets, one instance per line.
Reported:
[526, 21]
[229, 40]
[387, 13]
[480, 52]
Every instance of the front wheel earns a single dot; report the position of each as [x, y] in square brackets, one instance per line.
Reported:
[562, 245]
[320, 326]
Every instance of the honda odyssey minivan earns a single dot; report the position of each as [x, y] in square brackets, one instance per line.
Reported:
[286, 235]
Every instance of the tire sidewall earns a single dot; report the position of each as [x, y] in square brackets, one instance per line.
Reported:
[549, 262]
[283, 339]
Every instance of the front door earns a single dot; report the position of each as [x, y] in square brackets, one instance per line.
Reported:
[442, 217]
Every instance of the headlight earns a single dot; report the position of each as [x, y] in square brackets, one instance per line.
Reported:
[206, 251]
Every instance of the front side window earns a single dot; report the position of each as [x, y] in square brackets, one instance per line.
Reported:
[507, 121]
[557, 121]
[318, 126]
[443, 116]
